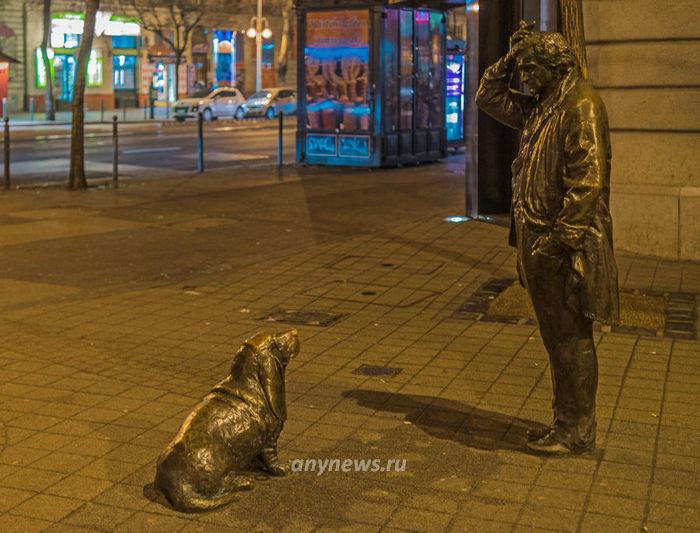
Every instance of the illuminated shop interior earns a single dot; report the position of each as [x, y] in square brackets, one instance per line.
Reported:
[372, 82]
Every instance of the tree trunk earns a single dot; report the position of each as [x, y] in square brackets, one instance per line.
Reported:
[285, 38]
[572, 26]
[76, 176]
[48, 95]
[178, 60]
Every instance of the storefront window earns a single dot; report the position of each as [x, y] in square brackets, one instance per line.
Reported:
[337, 70]
[40, 70]
[437, 81]
[224, 52]
[391, 70]
[406, 47]
[268, 52]
[64, 73]
[64, 76]
[423, 68]
[124, 72]
[94, 70]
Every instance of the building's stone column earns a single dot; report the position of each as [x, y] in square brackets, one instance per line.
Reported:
[644, 57]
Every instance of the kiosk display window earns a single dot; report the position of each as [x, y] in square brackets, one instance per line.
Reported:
[371, 82]
[336, 60]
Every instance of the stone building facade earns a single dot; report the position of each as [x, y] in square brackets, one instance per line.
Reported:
[644, 57]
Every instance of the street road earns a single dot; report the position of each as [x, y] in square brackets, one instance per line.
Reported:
[147, 150]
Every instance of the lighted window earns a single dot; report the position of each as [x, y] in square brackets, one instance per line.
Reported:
[59, 39]
[94, 70]
[124, 41]
[124, 72]
[268, 53]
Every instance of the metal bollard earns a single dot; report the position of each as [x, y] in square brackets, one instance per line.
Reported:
[31, 108]
[151, 104]
[280, 140]
[6, 157]
[102, 111]
[115, 153]
[200, 142]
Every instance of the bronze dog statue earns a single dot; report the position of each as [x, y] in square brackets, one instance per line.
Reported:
[237, 423]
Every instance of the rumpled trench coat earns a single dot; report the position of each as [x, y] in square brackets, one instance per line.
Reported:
[561, 179]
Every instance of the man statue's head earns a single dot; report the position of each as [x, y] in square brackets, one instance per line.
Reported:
[541, 58]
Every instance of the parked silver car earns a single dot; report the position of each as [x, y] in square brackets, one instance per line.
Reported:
[221, 102]
[271, 102]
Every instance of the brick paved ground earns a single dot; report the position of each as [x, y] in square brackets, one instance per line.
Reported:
[122, 308]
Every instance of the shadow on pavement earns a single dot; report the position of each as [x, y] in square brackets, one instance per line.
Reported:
[451, 420]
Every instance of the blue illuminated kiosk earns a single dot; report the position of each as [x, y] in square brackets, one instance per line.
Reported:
[371, 82]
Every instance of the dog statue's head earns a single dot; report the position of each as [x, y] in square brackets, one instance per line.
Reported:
[263, 359]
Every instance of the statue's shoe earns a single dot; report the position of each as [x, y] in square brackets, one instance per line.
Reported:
[534, 434]
[558, 442]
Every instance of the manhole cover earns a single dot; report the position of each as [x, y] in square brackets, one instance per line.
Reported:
[306, 318]
[372, 370]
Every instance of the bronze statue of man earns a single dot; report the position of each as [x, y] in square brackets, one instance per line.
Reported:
[560, 219]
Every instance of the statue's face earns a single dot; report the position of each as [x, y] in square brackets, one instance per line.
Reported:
[533, 74]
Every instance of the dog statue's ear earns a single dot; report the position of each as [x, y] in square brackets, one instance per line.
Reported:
[272, 382]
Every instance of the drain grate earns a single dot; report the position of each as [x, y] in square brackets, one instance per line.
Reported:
[478, 305]
[305, 318]
[681, 316]
[372, 370]
[650, 313]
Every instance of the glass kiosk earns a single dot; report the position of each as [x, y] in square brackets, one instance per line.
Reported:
[371, 83]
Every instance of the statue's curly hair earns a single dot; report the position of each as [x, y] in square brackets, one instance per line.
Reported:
[551, 48]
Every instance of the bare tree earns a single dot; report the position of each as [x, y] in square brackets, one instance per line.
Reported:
[572, 27]
[285, 39]
[49, 106]
[173, 21]
[76, 176]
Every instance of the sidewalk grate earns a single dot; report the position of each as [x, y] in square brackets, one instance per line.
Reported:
[305, 318]
[373, 370]
[681, 316]
[648, 313]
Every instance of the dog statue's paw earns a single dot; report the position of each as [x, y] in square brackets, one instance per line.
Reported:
[278, 470]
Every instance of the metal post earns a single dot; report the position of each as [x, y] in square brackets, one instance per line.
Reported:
[280, 140]
[6, 157]
[102, 110]
[31, 108]
[115, 153]
[200, 142]
[145, 112]
[151, 105]
[258, 48]
[471, 115]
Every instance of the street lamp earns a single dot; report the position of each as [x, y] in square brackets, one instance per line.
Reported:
[259, 30]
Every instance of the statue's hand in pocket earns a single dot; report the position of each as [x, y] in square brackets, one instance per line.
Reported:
[545, 246]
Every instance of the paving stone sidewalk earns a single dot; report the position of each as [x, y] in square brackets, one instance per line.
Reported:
[104, 355]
